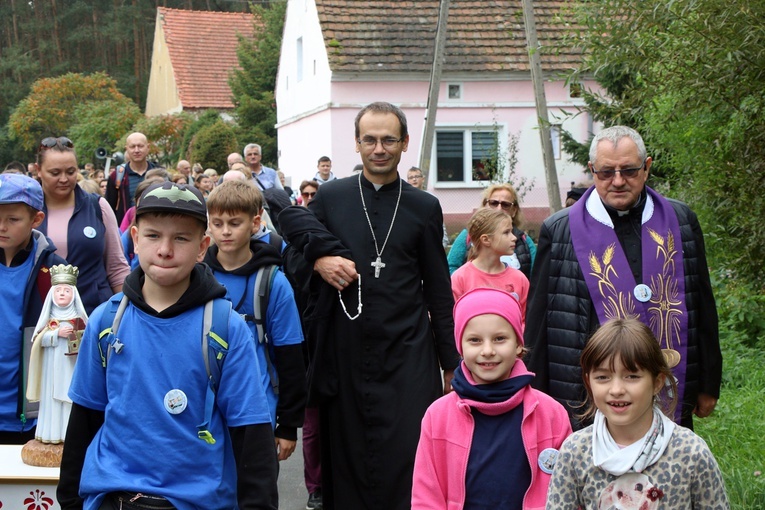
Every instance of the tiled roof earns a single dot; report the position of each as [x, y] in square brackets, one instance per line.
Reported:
[202, 47]
[399, 36]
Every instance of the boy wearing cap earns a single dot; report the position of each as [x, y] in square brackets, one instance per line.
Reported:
[132, 440]
[27, 256]
[236, 259]
[493, 441]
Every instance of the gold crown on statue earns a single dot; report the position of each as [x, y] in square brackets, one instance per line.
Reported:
[64, 274]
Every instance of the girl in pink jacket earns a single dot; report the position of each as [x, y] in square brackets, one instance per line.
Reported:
[493, 441]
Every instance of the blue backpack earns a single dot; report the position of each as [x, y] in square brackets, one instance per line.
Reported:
[214, 346]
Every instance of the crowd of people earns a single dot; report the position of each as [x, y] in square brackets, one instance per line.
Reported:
[511, 374]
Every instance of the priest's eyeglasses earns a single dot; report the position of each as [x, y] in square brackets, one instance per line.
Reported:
[627, 173]
[369, 142]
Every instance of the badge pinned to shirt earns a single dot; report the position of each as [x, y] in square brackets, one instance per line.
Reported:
[89, 232]
[547, 460]
[176, 401]
[642, 292]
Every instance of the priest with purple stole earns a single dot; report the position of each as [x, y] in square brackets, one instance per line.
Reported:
[623, 250]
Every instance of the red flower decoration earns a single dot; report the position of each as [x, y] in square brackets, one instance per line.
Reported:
[655, 493]
[38, 501]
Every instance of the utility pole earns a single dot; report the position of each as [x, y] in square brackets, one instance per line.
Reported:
[535, 63]
[435, 85]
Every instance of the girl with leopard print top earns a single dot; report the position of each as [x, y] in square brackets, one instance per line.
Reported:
[633, 456]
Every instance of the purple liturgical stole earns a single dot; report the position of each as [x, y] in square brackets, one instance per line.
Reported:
[659, 300]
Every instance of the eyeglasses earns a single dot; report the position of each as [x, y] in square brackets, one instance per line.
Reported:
[50, 142]
[496, 203]
[414, 177]
[387, 143]
[627, 173]
[306, 194]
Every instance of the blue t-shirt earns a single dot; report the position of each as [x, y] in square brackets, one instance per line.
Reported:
[282, 320]
[144, 448]
[12, 314]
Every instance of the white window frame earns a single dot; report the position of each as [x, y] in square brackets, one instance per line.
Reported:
[460, 91]
[467, 175]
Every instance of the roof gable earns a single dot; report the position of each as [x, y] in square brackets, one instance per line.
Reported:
[484, 35]
[202, 47]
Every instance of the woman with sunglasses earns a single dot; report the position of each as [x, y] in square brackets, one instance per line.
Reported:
[308, 190]
[503, 197]
[81, 225]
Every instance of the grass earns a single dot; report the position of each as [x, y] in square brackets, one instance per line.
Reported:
[735, 430]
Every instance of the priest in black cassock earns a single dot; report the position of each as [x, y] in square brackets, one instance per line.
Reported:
[379, 319]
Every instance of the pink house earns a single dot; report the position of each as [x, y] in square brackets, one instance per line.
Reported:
[339, 55]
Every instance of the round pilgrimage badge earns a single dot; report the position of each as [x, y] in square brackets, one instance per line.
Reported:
[175, 401]
[547, 460]
[89, 232]
[642, 292]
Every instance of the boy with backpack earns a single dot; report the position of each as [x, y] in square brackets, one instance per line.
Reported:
[26, 257]
[259, 291]
[168, 408]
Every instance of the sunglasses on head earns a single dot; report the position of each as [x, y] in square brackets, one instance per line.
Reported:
[50, 142]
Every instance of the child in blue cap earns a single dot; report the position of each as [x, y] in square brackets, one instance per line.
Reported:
[26, 256]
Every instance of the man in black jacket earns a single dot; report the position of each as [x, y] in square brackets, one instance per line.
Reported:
[623, 250]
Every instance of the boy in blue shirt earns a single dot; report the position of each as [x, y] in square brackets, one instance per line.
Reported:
[26, 257]
[234, 208]
[132, 440]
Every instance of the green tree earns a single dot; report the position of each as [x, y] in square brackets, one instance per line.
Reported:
[206, 119]
[212, 144]
[101, 124]
[165, 134]
[253, 85]
[49, 109]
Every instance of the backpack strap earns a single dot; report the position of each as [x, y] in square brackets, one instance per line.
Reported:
[275, 240]
[214, 350]
[120, 175]
[264, 281]
[107, 337]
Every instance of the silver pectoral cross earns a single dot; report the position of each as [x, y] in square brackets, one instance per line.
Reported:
[377, 264]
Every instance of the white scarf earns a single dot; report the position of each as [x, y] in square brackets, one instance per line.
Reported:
[609, 457]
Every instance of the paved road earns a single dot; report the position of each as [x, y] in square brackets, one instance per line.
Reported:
[292, 491]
